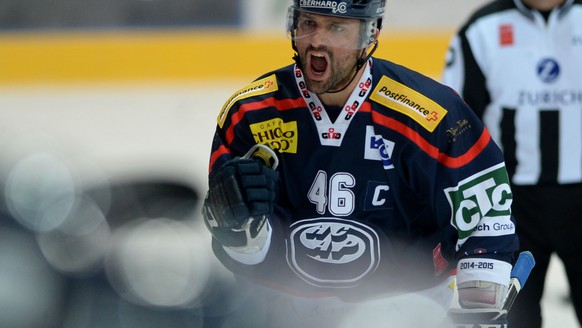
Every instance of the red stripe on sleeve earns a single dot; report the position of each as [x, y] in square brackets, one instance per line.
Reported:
[215, 155]
[366, 107]
[432, 151]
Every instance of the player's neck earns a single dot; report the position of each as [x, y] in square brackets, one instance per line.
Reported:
[341, 97]
[545, 5]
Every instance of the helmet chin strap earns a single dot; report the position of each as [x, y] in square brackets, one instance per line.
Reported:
[359, 64]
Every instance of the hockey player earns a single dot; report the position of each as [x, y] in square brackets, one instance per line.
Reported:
[376, 180]
[518, 64]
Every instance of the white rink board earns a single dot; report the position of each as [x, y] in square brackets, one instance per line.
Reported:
[121, 130]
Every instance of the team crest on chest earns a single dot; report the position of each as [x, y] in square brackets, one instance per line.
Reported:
[332, 252]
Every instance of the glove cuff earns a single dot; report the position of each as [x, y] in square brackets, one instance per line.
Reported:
[256, 248]
[482, 282]
[483, 269]
[481, 294]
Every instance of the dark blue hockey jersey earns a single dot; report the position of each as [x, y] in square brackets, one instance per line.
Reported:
[386, 198]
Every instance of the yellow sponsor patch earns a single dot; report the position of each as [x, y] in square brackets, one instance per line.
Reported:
[278, 135]
[257, 88]
[409, 102]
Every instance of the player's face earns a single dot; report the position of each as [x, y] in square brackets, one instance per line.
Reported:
[329, 48]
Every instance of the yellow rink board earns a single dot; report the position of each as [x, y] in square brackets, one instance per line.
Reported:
[175, 55]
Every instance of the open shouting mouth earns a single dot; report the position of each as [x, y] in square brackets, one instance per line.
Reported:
[317, 65]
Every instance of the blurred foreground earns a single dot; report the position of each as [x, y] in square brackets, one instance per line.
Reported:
[97, 231]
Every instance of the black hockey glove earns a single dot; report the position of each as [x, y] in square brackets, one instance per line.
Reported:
[478, 318]
[240, 197]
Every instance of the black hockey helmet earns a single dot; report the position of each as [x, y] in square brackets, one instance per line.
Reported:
[359, 9]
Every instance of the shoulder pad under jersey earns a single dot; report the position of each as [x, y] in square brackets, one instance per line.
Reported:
[259, 87]
[401, 98]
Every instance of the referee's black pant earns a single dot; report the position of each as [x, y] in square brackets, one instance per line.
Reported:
[549, 221]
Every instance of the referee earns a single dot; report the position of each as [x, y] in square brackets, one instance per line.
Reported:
[518, 64]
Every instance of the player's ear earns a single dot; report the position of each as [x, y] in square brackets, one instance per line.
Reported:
[378, 28]
[376, 35]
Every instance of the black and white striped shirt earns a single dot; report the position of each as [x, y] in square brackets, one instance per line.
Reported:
[522, 74]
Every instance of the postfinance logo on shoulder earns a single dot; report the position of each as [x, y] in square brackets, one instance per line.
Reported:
[481, 205]
[409, 102]
[257, 88]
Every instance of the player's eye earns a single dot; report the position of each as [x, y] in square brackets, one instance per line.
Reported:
[337, 28]
[308, 24]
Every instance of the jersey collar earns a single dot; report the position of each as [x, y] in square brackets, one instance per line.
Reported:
[332, 134]
[529, 12]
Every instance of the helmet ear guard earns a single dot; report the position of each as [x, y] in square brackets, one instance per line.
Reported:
[370, 33]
